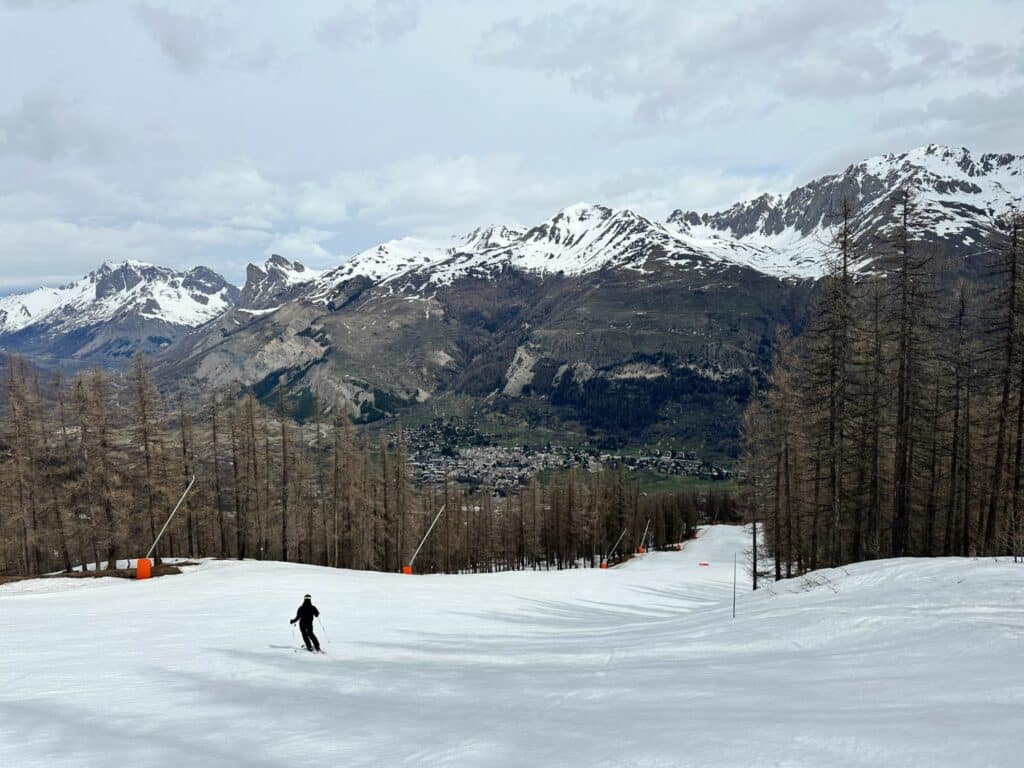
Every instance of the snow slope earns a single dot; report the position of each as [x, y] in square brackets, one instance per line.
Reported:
[898, 663]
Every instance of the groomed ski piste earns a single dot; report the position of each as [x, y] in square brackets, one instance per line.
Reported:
[891, 663]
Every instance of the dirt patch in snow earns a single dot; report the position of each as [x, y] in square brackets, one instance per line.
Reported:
[164, 569]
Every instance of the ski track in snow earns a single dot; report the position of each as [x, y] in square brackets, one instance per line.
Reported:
[898, 663]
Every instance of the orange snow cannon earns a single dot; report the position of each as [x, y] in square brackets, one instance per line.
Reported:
[640, 550]
[143, 569]
[604, 566]
[407, 570]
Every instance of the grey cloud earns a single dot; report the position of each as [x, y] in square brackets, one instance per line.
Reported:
[678, 66]
[27, 5]
[987, 59]
[256, 59]
[382, 21]
[45, 127]
[193, 43]
[187, 41]
[975, 109]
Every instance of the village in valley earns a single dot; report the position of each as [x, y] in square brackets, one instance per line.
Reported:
[456, 450]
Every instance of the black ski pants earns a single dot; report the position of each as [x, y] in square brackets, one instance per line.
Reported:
[308, 637]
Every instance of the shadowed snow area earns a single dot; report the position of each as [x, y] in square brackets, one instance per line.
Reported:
[901, 662]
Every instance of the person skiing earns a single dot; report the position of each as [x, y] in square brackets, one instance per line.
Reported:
[307, 611]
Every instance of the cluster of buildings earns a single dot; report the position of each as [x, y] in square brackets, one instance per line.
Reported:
[464, 455]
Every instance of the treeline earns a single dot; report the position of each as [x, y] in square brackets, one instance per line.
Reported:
[894, 424]
[90, 468]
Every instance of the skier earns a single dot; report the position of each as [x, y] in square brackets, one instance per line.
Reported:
[307, 611]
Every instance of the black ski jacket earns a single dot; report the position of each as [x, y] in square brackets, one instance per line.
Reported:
[306, 613]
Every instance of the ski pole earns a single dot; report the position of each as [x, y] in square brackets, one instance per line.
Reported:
[327, 637]
[294, 640]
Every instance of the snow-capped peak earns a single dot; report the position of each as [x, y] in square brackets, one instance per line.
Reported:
[113, 266]
[117, 289]
[569, 224]
[496, 236]
[945, 162]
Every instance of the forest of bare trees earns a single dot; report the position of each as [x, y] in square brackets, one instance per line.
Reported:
[90, 467]
[893, 425]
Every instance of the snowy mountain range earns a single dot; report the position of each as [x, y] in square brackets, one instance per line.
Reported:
[782, 235]
[589, 309]
[114, 310]
[958, 195]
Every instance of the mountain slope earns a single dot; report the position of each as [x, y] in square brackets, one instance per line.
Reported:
[112, 312]
[907, 662]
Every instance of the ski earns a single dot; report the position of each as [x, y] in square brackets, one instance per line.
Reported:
[294, 649]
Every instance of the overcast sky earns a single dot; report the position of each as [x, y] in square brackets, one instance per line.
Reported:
[216, 133]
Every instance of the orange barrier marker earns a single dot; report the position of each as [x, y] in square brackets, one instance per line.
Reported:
[143, 569]
[407, 569]
[639, 550]
[604, 566]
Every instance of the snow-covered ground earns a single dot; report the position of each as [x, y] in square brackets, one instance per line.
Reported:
[896, 663]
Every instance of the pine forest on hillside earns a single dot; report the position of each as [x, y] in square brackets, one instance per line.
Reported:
[894, 425]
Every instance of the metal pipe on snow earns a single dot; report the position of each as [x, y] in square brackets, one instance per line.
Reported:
[643, 539]
[426, 535]
[609, 554]
[171, 516]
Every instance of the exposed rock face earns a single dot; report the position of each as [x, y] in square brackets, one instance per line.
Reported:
[272, 282]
